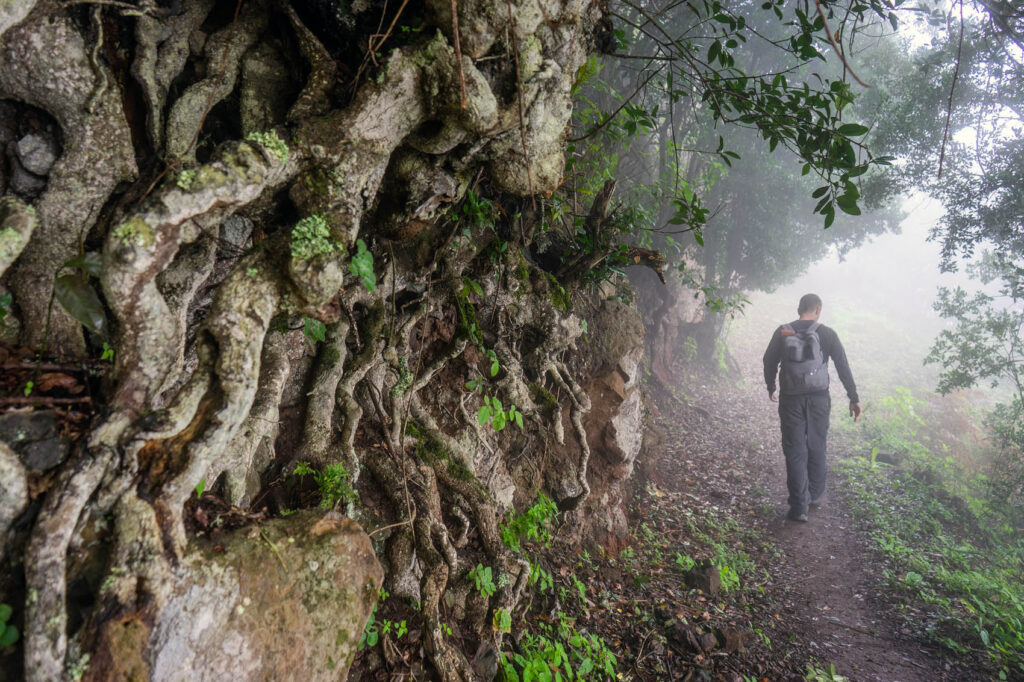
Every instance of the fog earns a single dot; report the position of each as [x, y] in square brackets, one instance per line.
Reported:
[879, 300]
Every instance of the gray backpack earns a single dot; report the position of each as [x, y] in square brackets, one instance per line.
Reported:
[803, 363]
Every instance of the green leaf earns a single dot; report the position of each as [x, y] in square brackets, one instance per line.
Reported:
[714, 51]
[848, 204]
[79, 299]
[91, 263]
[314, 330]
[200, 487]
[483, 415]
[852, 129]
[519, 420]
[9, 636]
[819, 192]
[5, 613]
[830, 216]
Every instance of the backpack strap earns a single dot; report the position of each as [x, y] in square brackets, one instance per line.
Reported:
[813, 328]
[787, 330]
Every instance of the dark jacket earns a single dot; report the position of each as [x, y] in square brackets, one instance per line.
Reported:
[831, 347]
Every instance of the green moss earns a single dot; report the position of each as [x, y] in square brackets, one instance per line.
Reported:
[467, 323]
[330, 355]
[311, 237]
[272, 143]
[560, 298]
[186, 179]
[543, 397]
[208, 176]
[135, 231]
[430, 449]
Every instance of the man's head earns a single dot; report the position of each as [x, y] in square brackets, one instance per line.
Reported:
[810, 307]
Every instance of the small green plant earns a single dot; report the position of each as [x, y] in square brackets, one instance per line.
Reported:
[186, 179]
[314, 330]
[828, 674]
[108, 353]
[538, 576]
[370, 632]
[533, 525]
[558, 653]
[730, 579]
[29, 385]
[272, 143]
[8, 633]
[200, 487]
[502, 621]
[332, 483]
[493, 412]
[311, 237]
[483, 580]
[361, 265]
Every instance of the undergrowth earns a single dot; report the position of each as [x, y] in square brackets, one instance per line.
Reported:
[951, 550]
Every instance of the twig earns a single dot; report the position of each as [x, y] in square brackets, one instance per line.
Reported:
[839, 51]
[387, 33]
[949, 103]
[393, 525]
[273, 548]
[522, 116]
[458, 52]
[615, 113]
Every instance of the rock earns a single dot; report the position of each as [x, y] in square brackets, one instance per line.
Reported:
[23, 183]
[13, 492]
[37, 153]
[287, 600]
[485, 662]
[705, 577]
[731, 640]
[708, 641]
[35, 437]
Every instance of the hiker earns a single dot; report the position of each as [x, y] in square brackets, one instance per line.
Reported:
[803, 348]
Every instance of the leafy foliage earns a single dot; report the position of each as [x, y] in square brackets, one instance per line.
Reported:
[311, 237]
[951, 550]
[361, 266]
[332, 483]
[533, 525]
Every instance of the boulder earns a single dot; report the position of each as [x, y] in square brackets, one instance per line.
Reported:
[286, 600]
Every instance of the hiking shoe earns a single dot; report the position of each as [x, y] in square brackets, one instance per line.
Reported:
[818, 501]
[792, 516]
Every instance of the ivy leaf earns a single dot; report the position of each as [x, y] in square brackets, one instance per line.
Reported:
[79, 299]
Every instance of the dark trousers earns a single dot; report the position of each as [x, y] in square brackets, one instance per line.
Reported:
[804, 420]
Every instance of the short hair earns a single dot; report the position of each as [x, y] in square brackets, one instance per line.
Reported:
[808, 302]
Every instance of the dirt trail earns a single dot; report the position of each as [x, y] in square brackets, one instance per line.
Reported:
[726, 447]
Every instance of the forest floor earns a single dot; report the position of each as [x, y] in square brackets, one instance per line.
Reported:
[808, 595]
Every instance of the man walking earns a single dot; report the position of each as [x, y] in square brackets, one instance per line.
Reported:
[803, 348]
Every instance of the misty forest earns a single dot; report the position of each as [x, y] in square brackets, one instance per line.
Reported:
[438, 340]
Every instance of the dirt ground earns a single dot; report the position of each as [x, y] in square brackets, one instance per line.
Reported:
[822, 596]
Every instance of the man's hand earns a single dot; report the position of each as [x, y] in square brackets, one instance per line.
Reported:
[771, 397]
[855, 410]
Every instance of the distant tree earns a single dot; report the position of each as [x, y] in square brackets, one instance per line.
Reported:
[986, 344]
